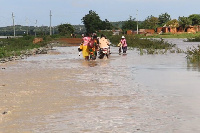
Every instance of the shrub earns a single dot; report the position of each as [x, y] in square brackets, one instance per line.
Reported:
[193, 55]
[13, 46]
[143, 43]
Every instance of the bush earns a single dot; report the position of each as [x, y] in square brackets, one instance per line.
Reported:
[13, 46]
[193, 55]
[195, 39]
[143, 43]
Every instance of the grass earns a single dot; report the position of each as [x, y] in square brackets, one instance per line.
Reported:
[151, 45]
[195, 39]
[193, 55]
[177, 35]
[14, 46]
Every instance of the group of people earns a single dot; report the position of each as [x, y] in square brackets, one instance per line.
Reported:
[91, 45]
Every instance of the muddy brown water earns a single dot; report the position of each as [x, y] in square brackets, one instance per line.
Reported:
[60, 92]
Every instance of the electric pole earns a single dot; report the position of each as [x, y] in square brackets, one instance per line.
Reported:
[27, 26]
[137, 21]
[50, 24]
[13, 23]
[35, 27]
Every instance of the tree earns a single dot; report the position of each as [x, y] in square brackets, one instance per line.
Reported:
[150, 22]
[92, 22]
[173, 23]
[163, 19]
[184, 22]
[65, 29]
[106, 25]
[195, 18]
[130, 24]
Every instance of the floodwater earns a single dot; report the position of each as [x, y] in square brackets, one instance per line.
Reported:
[60, 92]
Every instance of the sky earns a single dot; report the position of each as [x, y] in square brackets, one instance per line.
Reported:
[26, 12]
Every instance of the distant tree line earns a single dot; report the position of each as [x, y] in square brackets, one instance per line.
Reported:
[92, 23]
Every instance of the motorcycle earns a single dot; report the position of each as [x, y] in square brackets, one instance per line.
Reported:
[104, 52]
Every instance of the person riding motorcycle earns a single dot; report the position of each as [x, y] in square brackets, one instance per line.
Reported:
[124, 44]
[104, 44]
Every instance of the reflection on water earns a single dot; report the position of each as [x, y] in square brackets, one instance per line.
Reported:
[125, 93]
[193, 67]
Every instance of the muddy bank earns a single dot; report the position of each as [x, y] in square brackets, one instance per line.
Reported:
[126, 93]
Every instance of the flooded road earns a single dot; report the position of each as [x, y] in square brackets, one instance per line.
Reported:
[60, 92]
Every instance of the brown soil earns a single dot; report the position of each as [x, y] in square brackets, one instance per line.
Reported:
[70, 41]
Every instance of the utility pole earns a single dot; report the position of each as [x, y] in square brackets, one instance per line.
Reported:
[53, 30]
[27, 25]
[35, 27]
[137, 21]
[13, 23]
[50, 24]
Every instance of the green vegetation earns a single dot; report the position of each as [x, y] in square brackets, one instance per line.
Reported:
[129, 24]
[193, 55]
[65, 29]
[196, 39]
[15, 46]
[152, 46]
[171, 35]
[93, 23]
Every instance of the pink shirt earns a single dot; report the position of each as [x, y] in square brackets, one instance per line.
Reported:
[123, 42]
[86, 40]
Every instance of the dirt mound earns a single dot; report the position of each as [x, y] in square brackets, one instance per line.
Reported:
[70, 41]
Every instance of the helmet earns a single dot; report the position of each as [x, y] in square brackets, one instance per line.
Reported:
[123, 37]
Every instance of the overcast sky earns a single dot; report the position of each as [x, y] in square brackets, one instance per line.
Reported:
[26, 12]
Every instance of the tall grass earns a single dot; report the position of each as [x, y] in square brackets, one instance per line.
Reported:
[143, 43]
[195, 39]
[193, 55]
[14, 46]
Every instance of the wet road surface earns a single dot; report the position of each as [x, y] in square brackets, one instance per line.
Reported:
[60, 92]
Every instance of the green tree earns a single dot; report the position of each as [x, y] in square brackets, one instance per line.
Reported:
[92, 22]
[65, 29]
[173, 23]
[151, 22]
[184, 22]
[106, 25]
[195, 18]
[163, 19]
[130, 24]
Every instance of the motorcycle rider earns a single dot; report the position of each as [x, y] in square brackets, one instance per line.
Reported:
[124, 44]
[103, 42]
